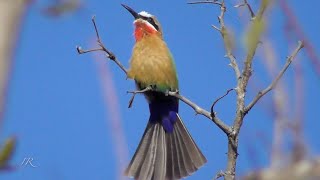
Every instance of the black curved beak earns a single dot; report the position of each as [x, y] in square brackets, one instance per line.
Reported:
[134, 14]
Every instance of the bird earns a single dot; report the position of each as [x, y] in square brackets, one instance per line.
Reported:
[166, 150]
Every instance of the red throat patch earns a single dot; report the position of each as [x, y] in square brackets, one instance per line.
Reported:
[142, 29]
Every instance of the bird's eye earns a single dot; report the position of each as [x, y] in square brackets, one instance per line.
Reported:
[151, 21]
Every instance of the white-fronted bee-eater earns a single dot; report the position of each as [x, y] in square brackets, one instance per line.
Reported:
[166, 150]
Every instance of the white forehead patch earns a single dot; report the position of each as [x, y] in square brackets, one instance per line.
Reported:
[145, 14]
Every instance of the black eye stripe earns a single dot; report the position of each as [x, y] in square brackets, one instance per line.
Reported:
[151, 21]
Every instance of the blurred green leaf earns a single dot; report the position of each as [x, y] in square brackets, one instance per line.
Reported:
[7, 151]
[252, 37]
[63, 7]
[256, 28]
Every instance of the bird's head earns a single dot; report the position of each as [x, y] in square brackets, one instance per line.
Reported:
[145, 24]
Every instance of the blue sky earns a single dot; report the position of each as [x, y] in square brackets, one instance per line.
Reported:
[56, 105]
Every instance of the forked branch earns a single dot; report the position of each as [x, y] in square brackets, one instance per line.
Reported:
[109, 54]
[276, 80]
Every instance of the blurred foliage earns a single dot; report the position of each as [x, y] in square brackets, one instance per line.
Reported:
[252, 37]
[256, 28]
[6, 152]
[302, 170]
[62, 7]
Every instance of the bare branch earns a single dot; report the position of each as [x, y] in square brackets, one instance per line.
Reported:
[227, 40]
[95, 27]
[233, 138]
[253, 43]
[206, 2]
[216, 28]
[295, 27]
[242, 81]
[215, 102]
[276, 80]
[136, 92]
[81, 51]
[109, 54]
[224, 33]
[247, 71]
[245, 3]
[149, 88]
[250, 9]
[225, 128]
[219, 175]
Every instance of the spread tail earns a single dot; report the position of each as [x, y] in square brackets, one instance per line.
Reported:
[163, 155]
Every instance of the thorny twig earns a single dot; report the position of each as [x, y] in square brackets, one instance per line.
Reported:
[276, 80]
[242, 82]
[109, 54]
[227, 40]
[294, 25]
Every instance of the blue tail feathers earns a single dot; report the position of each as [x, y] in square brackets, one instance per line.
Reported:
[164, 112]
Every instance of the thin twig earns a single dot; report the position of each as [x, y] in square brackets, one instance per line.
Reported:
[219, 175]
[246, 74]
[245, 3]
[136, 92]
[233, 138]
[95, 27]
[227, 40]
[206, 2]
[149, 88]
[225, 35]
[296, 27]
[276, 80]
[215, 102]
[81, 51]
[225, 128]
[250, 9]
[109, 54]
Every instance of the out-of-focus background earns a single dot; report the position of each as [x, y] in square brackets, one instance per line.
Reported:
[68, 112]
